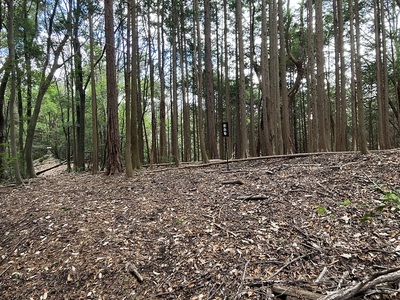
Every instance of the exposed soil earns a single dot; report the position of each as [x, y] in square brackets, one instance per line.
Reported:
[306, 223]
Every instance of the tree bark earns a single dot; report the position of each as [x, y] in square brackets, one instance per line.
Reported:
[360, 102]
[174, 104]
[95, 147]
[113, 145]
[3, 87]
[12, 65]
[197, 58]
[128, 93]
[134, 91]
[320, 79]
[209, 83]
[242, 129]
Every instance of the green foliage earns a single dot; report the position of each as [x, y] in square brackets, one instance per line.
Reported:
[346, 202]
[389, 200]
[321, 210]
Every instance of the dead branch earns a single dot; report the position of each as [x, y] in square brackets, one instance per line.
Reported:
[252, 197]
[224, 229]
[239, 182]
[391, 275]
[294, 292]
[51, 168]
[289, 263]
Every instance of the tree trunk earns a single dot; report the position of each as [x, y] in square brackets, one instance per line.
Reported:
[128, 93]
[95, 147]
[44, 84]
[228, 113]
[312, 134]
[79, 90]
[12, 65]
[134, 91]
[266, 133]
[197, 57]
[3, 86]
[153, 151]
[174, 104]
[113, 145]
[286, 133]
[209, 83]
[276, 123]
[242, 128]
[160, 51]
[252, 127]
[320, 79]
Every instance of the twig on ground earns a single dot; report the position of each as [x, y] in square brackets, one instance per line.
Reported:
[321, 275]
[288, 264]
[239, 182]
[132, 269]
[243, 277]
[224, 229]
[252, 197]
[362, 287]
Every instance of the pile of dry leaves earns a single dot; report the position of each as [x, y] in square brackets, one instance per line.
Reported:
[321, 226]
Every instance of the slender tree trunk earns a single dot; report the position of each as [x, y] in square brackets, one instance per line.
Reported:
[12, 65]
[274, 77]
[134, 91]
[3, 87]
[267, 113]
[312, 136]
[385, 71]
[252, 127]
[382, 121]
[360, 102]
[113, 145]
[160, 51]
[44, 84]
[128, 93]
[353, 81]
[95, 146]
[320, 79]
[79, 90]
[153, 151]
[197, 57]
[242, 129]
[286, 134]
[228, 113]
[185, 106]
[174, 104]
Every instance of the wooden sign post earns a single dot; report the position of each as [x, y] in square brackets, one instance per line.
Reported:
[225, 134]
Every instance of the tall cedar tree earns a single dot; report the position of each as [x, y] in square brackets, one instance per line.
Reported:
[209, 82]
[242, 130]
[113, 144]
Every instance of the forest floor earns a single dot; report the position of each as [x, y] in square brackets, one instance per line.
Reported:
[296, 227]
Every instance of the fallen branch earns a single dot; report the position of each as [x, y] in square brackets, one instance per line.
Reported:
[294, 292]
[391, 275]
[289, 263]
[52, 167]
[252, 197]
[239, 182]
